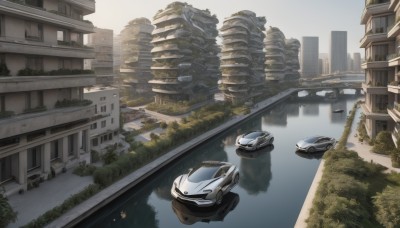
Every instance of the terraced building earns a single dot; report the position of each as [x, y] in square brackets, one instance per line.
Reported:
[275, 58]
[136, 57]
[184, 56]
[242, 57]
[292, 60]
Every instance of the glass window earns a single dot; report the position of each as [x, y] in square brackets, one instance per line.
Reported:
[95, 142]
[2, 103]
[71, 142]
[34, 63]
[103, 124]
[55, 150]
[5, 169]
[33, 31]
[34, 157]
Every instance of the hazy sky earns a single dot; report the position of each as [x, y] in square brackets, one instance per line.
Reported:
[295, 18]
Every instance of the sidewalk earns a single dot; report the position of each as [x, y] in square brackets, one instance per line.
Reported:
[363, 150]
[49, 194]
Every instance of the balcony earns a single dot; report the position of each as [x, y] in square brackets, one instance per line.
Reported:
[393, 5]
[25, 123]
[375, 113]
[374, 89]
[394, 30]
[373, 7]
[378, 62]
[32, 83]
[394, 88]
[46, 17]
[88, 5]
[20, 46]
[394, 113]
[373, 36]
[166, 91]
[394, 60]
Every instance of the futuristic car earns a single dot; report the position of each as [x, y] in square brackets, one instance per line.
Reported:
[206, 184]
[254, 140]
[315, 143]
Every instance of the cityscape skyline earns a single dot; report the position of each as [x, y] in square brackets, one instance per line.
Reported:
[289, 23]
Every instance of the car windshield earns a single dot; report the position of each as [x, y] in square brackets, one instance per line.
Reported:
[252, 135]
[202, 173]
[311, 139]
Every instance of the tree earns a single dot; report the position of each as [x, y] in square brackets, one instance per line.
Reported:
[388, 207]
[154, 137]
[7, 214]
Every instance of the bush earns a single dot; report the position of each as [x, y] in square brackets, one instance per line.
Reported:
[94, 156]
[84, 170]
[109, 157]
[383, 143]
[388, 207]
[7, 214]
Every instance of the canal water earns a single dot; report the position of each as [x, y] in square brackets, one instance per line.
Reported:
[274, 181]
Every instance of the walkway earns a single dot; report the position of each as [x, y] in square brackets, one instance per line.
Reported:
[363, 150]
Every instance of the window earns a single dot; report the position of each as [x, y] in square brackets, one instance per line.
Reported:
[71, 143]
[64, 8]
[34, 63]
[112, 107]
[28, 100]
[34, 157]
[2, 103]
[110, 136]
[1, 25]
[36, 3]
[93, 126]
[103, 124]
[33, 31]
[55, 150]
[115, 133]
[102, 98]
[112, 120]
[95, 109]
[40, 98]
[64, 63]
[95, 142]
[103, 108]
[5, 169]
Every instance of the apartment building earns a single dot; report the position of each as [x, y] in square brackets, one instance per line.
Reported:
[338, 52]
[44, 120]
[104, 127]
[102, 65]
[380, 66]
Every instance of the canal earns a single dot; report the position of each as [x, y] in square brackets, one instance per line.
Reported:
[274, 181]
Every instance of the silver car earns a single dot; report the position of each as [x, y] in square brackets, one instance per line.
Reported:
[206, 184]
[315, 143]
[254, 140]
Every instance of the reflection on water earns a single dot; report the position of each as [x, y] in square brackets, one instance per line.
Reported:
[316, 155]
[263, 199]
[189, 214]
[255, 170]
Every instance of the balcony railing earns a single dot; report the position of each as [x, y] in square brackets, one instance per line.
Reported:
[374, 2]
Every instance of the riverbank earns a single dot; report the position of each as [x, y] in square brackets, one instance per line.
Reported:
[363, 150]
[101, 199]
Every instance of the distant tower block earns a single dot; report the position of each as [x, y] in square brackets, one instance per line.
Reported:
[185, 61]
[242, 57]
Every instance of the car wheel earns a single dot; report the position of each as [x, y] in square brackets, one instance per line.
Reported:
[311, 150]
[328, 147]
[236, 179]
[218, 198]
[271, 141]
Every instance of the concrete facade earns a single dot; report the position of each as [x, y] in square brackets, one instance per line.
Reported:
[44, 120]
[380, 70]
[104, 126]
[309, 57]
[338, 52]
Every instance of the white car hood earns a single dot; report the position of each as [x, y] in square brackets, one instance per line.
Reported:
[191, 188]
[245, 141]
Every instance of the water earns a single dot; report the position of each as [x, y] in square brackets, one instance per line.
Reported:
[273, 182]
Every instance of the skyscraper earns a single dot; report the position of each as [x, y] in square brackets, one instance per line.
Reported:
[309, 57]
[356, 62]
[338, 52]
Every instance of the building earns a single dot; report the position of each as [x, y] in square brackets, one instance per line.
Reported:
[324, 63]
[357, 62]
[275, 49]
[117, 53]
[349, 63]
[184, 54]
[104, 126]
[102, 65]
[309, 57]
[338, 52]
[44, 120]
[292, 59]
[379, 42]
[242, 57]
[136, 57]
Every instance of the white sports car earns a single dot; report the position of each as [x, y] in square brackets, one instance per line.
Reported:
[206, 184]
[254, 140]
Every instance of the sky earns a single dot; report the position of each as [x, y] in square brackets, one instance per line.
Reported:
[294, 18]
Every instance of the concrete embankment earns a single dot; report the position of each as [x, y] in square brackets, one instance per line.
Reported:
[82, 211]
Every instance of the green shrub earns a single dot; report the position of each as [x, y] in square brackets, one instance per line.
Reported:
[109, 157]
[84, 170]
[94, 156]
[388, 207]
[383, 143]
[4, 71]
[7, 214]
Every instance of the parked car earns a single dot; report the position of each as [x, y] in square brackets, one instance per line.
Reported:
[315, 143]
[206, 184]
[254, 140]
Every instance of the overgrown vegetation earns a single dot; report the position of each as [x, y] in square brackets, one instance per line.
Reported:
[383, 143]
[7, 214]
[362, 132]
[84, 170]
[173, 109]
[32, 72]
[139, 101]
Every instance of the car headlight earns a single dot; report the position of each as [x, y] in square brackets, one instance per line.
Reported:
[207, 191]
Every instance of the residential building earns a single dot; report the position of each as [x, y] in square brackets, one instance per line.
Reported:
[275, 61]
[242, 57]
[184, 54]
[324, 63]
[104, 126]
[309, 57]
[136, 57]
[338, 52]
[102, 65]
[292, 59]
[117, 53]
[44, 120]
[379, 42]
